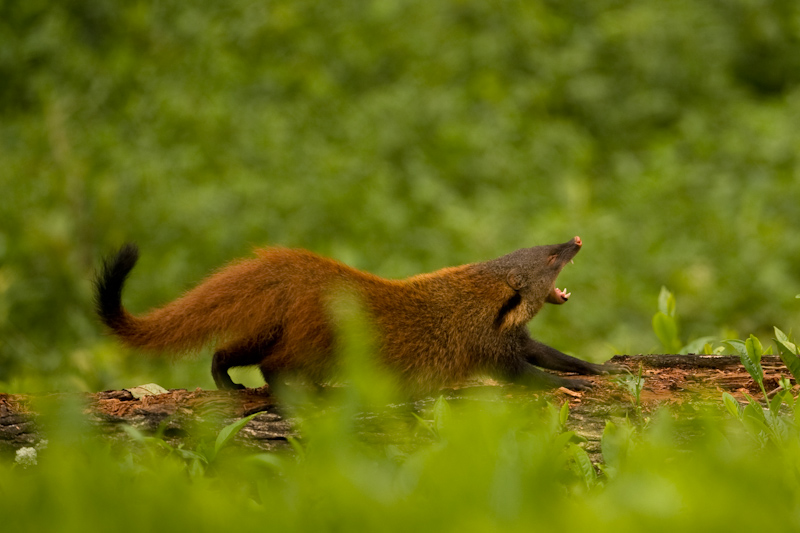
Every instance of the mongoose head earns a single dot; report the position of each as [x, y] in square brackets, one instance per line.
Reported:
[531, 272]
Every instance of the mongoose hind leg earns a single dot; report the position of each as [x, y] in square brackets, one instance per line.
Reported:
[240, 353]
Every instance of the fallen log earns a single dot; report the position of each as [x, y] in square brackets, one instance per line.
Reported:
[668, 380]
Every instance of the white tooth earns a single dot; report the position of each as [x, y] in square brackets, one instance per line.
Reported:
[572, 261]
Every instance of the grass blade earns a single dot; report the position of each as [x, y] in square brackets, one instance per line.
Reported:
[228, 432]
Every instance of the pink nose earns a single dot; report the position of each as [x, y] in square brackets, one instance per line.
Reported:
[578, 241]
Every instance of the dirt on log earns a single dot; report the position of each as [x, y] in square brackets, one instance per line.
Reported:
[671, 380]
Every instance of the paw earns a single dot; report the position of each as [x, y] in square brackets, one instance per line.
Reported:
[230, 386]
[577, 384]
[608, 368]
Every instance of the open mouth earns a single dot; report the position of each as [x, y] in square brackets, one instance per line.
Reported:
[559, 296]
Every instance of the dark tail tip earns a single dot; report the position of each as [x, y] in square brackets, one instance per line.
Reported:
[108, 284]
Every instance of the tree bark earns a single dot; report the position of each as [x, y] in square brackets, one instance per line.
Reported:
[675, 380]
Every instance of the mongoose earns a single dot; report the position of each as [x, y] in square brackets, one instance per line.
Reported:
[434, 329]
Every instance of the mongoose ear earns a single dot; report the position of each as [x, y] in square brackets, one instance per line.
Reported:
[515, 279]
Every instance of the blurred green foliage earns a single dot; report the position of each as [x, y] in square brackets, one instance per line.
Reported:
[398, 136]
[490, 465]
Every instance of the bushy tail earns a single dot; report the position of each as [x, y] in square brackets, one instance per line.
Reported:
[108, 287]
[228, 304]
[174, 327]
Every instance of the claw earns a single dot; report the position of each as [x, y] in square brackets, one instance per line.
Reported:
[578, 384]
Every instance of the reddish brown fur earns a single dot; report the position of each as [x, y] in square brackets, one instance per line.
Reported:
[434, 329]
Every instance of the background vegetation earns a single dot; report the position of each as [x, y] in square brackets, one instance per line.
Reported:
[399, 137]
[402, 136]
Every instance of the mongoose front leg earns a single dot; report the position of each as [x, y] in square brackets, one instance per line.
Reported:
[526, 374]
[544, 356]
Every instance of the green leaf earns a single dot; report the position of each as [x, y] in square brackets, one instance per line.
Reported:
[227, 433]
[796, 409]
[189, 455]
[755, 421]
[196, 468]
[140, 437]
[697, 346]
[615, 443]
[754, 347]
[582, 465]
[269, 460]
[755, 411]
[134, 433]
[441, 415]
[666, 330]
[563, 414]
[666, 302]
[733, 406]
[786, 385]
[775, 403]
[751, 359]
[791, 361]
[779, 430]
[788, 353]
[750, 399]
[784, 340]
[562, 439]
[425, 424]
[297, 447]
[736, 346]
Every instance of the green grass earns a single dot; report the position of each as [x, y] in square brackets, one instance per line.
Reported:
[490, 464]
[365, 462]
